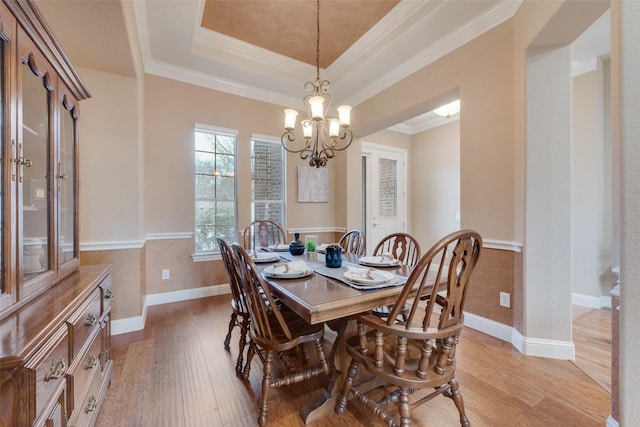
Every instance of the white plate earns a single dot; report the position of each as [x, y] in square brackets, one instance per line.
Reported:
[369, 276]
[279, 248]
[264, 257]
[378, 261]
[277, 273]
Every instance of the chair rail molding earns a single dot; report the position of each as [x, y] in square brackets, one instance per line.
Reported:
[111, 246]
[304, 230]
[169, 236]
[504, 245]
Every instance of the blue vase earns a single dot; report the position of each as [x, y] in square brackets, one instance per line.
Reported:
[333, 256]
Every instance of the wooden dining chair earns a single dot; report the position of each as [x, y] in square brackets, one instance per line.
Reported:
[406, 249]
[419, 353]
[239, 308]
[263, 233]
[274, 330]
[352, 242]
[401, 246]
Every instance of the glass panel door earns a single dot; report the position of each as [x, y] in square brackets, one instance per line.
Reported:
[66, 185]
[34, 155]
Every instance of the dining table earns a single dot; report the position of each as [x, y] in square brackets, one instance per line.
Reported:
[325, 296]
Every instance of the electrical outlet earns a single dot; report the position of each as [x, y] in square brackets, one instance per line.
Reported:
[165, 274]
[505, 299]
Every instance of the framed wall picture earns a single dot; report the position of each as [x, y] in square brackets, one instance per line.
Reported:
[313, 185]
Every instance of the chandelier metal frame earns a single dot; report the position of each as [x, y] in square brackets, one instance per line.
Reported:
[323, 135]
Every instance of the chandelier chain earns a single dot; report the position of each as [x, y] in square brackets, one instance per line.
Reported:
[318, 40]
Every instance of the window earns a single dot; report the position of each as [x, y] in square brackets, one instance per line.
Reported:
[267, 179]
[215, 187]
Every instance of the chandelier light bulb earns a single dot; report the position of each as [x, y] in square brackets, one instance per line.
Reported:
[316, 103]
[290, 119]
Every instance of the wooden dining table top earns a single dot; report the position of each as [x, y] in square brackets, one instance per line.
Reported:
[317, 298]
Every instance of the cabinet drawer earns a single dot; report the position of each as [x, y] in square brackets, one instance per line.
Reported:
[107, 294]
[87, 410]
[82, 369]
[48, 367]
[84, 321]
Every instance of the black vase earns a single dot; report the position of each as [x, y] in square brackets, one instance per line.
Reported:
[296, 247]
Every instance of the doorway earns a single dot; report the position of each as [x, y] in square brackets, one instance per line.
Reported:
[384, 177]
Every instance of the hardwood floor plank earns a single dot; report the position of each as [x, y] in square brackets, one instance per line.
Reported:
[177, 373]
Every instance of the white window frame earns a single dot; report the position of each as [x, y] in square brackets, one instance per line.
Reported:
[199, 127]
[276, 141]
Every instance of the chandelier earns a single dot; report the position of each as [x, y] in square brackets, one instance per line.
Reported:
[323, 135]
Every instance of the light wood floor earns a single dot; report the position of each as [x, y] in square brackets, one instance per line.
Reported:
[592, 339]
[176, 373]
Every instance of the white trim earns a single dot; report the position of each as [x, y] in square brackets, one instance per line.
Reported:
[265, 138]
[216, 129]
[136, 323]
[207, 256]
[503, 245]
[316, 230]
[591, 301]
[553, 349]
[489, 327]
[129, 324]
[187, 294]
[197, 78]
[111, 246]
[169, 236]
[612, 422]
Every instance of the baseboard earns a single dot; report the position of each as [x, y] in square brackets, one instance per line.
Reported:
[136, 323]
[591, 301]
[611, 422]
[530, 346]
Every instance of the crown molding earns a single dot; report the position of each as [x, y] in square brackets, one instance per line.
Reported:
[483, 23]
[186, 75]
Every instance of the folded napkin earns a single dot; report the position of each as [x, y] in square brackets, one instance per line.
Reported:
[291, 267]
[387, 257]
[279, 246]
[322, 247]
[366, 273]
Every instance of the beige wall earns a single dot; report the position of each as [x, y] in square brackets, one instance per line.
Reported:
[435, 161]
[109, 159]
[172, 108]
[481, 72]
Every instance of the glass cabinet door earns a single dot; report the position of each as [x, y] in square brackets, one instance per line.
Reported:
[35, 170]
[67, 240]
[8, 167]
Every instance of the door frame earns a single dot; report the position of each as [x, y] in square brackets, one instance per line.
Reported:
[367, 150]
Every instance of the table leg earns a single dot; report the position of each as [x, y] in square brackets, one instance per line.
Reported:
[326, 402]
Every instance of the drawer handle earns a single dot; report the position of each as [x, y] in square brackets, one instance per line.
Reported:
[92, 404]
[92, 361]
[91, 320]
[56, 370]
[108, 293]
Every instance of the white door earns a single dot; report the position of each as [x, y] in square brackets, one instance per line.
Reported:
[385, 192]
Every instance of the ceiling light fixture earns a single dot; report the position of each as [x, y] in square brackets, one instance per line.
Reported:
[448, 110]
[323, 135]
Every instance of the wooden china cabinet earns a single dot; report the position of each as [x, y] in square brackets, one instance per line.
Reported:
[55, 326]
